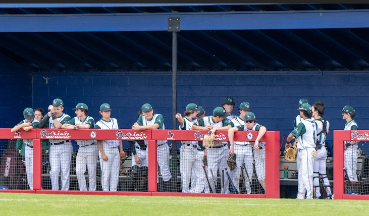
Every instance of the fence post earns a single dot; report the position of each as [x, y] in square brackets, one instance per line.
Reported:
[153, 166]
[37, 164]
[272, 160]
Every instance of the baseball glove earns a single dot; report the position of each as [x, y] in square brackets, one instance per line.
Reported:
[231, 161]
[208, 140]
[290, 153]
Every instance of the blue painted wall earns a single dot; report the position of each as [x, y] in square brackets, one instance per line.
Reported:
[273, 98]
[16, 92]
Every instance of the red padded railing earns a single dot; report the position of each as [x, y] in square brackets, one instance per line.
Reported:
[272, 152]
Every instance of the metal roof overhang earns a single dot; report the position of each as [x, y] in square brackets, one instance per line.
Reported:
[189, 21]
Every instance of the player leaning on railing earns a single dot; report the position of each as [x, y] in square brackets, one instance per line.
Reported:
[27, 124]
[60, 150]
[87, 151]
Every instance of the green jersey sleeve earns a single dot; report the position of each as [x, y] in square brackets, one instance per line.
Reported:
[139, 120]
[299, 130]
[241, 127]
[201, 123]
[91, 122]
[160, 121]
[257, 128]
[71, 121]
[97, 126]
[35, 124]
[66, 119]
[354, 127]
[226, 122]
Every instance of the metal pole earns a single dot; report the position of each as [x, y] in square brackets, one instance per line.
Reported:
[174, 78]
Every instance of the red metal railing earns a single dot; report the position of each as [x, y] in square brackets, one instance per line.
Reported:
[271, 138]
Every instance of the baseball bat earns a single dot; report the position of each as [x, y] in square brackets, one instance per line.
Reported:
[282, 141]
[244, 168]
[215, 183]
[222, 182]
[207, 179]
[232, 189]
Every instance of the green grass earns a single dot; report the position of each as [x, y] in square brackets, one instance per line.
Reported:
[41, 204]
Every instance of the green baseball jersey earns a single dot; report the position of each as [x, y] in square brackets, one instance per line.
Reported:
[156, 119]
[34, 124]
[77, 121]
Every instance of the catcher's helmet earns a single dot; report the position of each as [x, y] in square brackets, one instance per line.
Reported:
[249, 116]
[348, 109]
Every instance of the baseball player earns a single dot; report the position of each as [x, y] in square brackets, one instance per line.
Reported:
[39, 115]
[88, 151]
[350, 156]
[110, 151]
[322, 130]
[228, 104]
[188, 150]
[27, 124]
[149, 120]
[60, 154]
[305, 133]
[243, 150]
[218, 154]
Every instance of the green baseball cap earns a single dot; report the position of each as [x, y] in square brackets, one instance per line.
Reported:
[200, 111]
[348, 109]
[249, 116]
[303, 100]
[244, 106]
[105, 107]
[146, 107]
[306, 107]
[57, 102]
[28, 113]
[81, 106]
[191, 106]
[228, 100]
[219, 111]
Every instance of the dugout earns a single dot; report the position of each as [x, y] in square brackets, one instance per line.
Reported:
[269, 54]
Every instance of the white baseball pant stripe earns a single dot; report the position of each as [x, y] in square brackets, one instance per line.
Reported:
[243, 155]
[217, 160]
[187, 161]
[320, 167]
[305, 173]
[163, 161]
[110, 169]
[60, 157]
[28, 153]
[351, 163]
[87, 156]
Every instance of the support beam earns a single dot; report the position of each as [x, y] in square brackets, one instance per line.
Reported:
[189, 21]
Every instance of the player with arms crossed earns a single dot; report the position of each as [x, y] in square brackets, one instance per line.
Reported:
[88, 151]
[150, 121]
[305, 133]
[60, 150]
[218, 154]
[27, 124]
[110, 151]
[348, 114]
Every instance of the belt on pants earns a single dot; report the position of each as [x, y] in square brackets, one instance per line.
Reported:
[29, 145]
[88, 145]
[59, 143]
[140, 148]
[218, 146]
